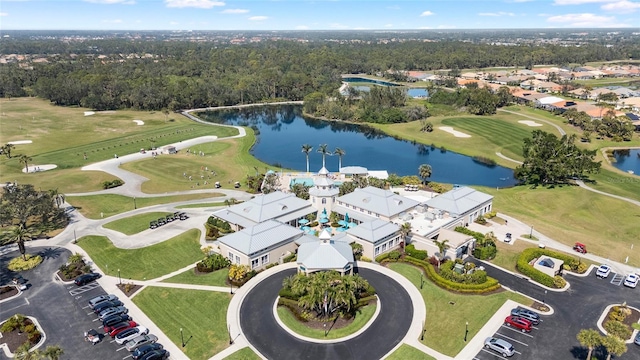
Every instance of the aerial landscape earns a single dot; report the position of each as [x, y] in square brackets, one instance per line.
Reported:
[200, 179]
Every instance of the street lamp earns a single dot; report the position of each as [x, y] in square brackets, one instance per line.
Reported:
[423, 331]
[119, 278]
[181, 337]
[466, 330]
[531, 234]
[325, 329]
[134, 203]
[230, 287]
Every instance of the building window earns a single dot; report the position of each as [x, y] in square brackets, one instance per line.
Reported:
[377, 251]
[264, 259]
[237, 259]
[254, 263]
[384, 247]
[369, 212]
[230, 257]
[324, 200]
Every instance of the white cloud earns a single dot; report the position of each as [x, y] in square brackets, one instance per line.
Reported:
[621, 6]
[583, 20]
[114, 21]
[201, 4]
[258, 18]
[427, 13]
[111, 2]
[500, 13]
[4, 14]
[302, 27]
[388, 25]
[234, 11]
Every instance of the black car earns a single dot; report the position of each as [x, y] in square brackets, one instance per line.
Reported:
[183, 216]
[161, 221]
[114, 319]
[86, 278]
[169, 218]
[156, 355]
[107, 304]
[153, 224]
[145, 349]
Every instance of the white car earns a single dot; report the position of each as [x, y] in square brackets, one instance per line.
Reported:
[130, 334]
[603, 271]
[631, 280]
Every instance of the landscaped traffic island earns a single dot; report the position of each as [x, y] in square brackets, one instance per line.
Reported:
[326, 305]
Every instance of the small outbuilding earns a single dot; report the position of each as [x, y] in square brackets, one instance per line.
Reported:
[548, 265]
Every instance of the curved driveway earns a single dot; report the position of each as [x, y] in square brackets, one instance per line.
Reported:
[263, 332]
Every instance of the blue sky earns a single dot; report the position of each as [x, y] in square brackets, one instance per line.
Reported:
[314, 15]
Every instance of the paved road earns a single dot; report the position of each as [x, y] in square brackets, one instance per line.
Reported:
[262, 331]
[578, 308]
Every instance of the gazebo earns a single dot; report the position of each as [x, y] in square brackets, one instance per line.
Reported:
[325, 255]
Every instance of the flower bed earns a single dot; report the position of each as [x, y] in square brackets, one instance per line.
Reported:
[20, 264]
[619, 318]
[75, 267]
[571, 264]
[18, 330]
[7, 292]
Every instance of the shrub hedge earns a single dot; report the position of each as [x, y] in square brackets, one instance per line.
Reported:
[529, 254]
[414, 253]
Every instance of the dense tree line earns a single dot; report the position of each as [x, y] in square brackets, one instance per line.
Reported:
[549, 160]
[475, 100]
[155, 75]
[616, 128]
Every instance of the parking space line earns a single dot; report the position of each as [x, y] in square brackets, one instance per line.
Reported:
[617, 279]
[517, 352]
[518, 331]
[130, 356]
[85, 307]
[512, 339]
[95, 319]
[493, 353]
[122, 348]
[533, 327]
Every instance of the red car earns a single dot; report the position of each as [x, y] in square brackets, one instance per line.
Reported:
[120, 327]
[519, 323]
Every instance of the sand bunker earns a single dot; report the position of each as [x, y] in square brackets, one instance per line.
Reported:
[39, 168]
[89, 113]
[455, 133]
[139, 122]
[20, 142]
[529, 123]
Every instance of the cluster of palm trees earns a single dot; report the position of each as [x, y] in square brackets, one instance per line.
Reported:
[51, 352]
[327, 293]
[24, 159]
[323, 149]
[591, 339]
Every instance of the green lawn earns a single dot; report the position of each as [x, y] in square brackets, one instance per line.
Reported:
[201, 205]
[216, 278]
[445, 323]
[59, 137]
[243, 354]
[202, 316]
[408, 352]
[569, 214]
[110, 204]
[364, 315]
[144, 263]
[134, 224]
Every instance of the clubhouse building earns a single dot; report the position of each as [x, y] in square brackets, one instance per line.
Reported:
[272, 226]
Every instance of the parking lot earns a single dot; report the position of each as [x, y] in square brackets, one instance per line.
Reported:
[522, 342]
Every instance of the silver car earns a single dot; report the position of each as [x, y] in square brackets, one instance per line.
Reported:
[112, 311]
[140, 340]
[100, 299]
[500, 346]
[527, 314]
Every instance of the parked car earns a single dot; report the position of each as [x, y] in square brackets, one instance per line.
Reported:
[129, 334]
[161, 221]
[100, 299]
[579, 247]
[637, 340]
[236, 185]
[105, 305]
[507, 238]
[145, 349]
[112, 311]
[500, 346]
[532, 316]
[139, 341]
[603, 271]
[86, 278]
[118, 328]
[169, 218]
[115, 319]
[519, 323]
[153, 224]
[183, 216]
[631, 280]
[156, 355]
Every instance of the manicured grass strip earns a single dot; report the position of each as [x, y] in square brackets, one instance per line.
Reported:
[192, 206]
[134, 224]
[570, 214]
[507, 255]
[215, 278]
[363, 316]
[243, 354]
[108, 205]
[145, 263]
[408, 352]
[202, 316]
[445, 323]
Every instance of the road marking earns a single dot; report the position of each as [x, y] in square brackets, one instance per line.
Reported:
[517, 352]
[512, 339]
[518, 331]
[533, 327]
[617, 279]
[94, 319]
[85, 288]
[493, 353]
[130, 356]
[122, 348]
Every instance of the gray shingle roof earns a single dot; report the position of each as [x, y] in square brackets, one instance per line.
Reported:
[459, 200]
[373, 231]
[260, 237]
[264, 207]
[325, 255]
[379, 201]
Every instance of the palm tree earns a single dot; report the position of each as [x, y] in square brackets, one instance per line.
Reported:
[306, 149]
[614, 346]
[53, 352]
[23, 353]
[442, 247]
[7, 149]
[590, 339]
[340, 154]
[424, 171]
[25, 159]
[323, 150]
[405, 230]
[19, 235]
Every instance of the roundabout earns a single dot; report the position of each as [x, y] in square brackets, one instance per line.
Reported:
[263, 332]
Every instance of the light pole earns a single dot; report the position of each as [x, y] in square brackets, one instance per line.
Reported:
[423, 331]
[531, 234]
[325, 329]
[421, 281]
[466, 330]
[230, 287]
[119, 278]
[181, 337]
[134, 203]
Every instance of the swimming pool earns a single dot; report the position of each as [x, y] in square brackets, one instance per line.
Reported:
[303, 181]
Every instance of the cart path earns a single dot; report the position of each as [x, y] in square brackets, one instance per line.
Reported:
[584, 186]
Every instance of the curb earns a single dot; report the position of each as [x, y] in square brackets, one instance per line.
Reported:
[43, 338]
[14, 296]
[603, 317]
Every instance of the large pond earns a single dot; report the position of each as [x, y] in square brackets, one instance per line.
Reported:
[627, 160]
[282, 130]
